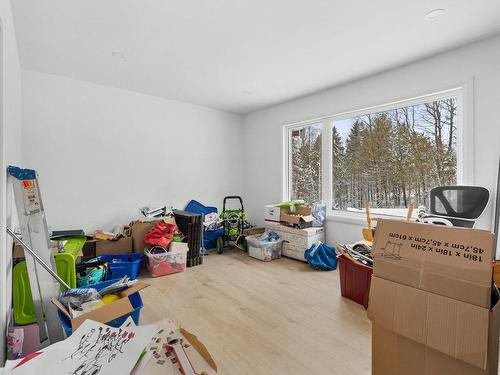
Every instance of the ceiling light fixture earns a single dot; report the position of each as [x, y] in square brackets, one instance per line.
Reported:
[118, 55]
[434, 14]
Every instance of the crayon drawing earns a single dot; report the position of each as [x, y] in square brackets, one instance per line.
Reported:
[99, 346]
[93, 349]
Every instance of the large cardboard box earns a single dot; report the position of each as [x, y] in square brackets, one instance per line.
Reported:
[449, 261]
[418, 332]
[139, 229]
[123, 245]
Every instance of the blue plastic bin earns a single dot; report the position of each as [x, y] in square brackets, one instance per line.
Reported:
[196, 207]
[121, 265]
[135, 300]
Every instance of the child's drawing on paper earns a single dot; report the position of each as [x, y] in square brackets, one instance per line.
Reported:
[93, 349]
[98, 346]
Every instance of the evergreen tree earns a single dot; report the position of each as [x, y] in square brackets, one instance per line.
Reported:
[392, 159]
[339, 182]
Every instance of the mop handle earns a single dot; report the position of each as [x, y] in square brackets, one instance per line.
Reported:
[37, 258]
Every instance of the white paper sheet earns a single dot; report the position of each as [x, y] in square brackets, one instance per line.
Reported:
[93, 349]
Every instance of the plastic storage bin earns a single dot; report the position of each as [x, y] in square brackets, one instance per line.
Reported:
[22, 299]
[355, 280]
[135, 300]
[161, 262]
[262, 250]
[121, 265]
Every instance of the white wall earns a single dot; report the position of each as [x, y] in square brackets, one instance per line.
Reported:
[10, 135]
[101, 153]
[263, 129]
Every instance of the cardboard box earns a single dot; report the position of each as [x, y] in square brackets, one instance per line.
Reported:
[123, 245]
[301, 219]
[139, 229]
[199, 357]
[253, 231]
[18, 251]
[105, 313]
[272, 213]
[102, 235]
[88, 250]
[496, 273]
[449, 261]
[418, 332]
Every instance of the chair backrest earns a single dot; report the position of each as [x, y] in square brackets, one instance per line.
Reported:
[459, 202]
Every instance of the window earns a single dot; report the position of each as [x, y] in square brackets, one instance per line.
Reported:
[390, 156]
[305, 155]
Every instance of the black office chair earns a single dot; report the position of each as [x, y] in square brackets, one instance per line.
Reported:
[458, 206]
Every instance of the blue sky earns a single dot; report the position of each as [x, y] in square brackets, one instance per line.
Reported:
[344, 127]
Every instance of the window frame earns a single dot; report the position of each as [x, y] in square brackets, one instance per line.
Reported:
[287, 176]
[465, 142]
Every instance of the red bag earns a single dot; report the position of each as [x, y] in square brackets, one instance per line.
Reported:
[161, 235]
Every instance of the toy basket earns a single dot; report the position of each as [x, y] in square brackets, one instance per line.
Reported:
[162, 262]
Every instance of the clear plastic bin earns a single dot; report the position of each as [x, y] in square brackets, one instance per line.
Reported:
[167, 262]
[263, 250]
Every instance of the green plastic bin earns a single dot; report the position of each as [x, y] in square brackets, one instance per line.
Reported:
[22, 299]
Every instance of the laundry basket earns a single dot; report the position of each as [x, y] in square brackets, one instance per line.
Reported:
[162, 262]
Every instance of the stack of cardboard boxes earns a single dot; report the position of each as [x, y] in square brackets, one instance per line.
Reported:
[295, 229]
[431, 301]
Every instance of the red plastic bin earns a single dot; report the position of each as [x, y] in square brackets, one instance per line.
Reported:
[355, 280]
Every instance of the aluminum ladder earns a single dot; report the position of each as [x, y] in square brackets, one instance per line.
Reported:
[43, 279]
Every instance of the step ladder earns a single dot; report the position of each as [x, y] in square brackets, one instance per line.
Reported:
[43, 279]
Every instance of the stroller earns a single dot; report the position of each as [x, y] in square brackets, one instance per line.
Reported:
[233, 224]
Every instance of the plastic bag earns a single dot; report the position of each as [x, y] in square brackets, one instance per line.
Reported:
[76, 299]
[90, 273]
[321, 257]
[319, 213]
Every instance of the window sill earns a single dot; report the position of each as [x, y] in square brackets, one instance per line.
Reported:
[356, 218]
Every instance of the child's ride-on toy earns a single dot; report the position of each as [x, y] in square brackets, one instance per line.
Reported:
[233, 221]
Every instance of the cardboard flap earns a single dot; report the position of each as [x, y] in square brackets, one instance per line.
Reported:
[60, 306]
[452, 327]
[308, 218]
[140, 285]
[200, 348]
[105, 313]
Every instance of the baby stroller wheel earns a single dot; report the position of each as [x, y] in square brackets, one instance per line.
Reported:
[220, 245]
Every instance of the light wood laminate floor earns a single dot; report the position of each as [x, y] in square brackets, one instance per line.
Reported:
[262, 318]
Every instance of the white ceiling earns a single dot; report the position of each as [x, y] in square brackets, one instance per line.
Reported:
[238, 55]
